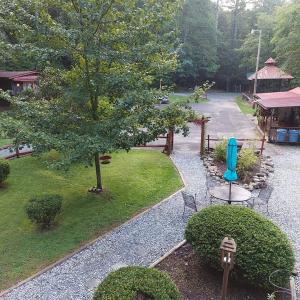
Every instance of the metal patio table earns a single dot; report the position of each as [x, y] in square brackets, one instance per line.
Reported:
[238, 194]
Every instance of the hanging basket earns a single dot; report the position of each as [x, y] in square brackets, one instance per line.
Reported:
[105, 159]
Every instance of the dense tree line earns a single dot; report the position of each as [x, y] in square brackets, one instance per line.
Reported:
[217, 44]
[211, 38]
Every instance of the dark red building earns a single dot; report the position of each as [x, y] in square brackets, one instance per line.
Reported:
[18, 81]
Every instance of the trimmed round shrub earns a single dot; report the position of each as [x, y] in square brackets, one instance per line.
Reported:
[132, 283]
[4, 170]
[262, 248]
[42, 210]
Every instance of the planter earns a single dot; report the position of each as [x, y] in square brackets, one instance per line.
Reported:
[196, 281]
[257, 179]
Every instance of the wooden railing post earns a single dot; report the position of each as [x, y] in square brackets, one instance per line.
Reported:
[202, 142]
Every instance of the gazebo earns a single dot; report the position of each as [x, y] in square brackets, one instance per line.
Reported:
[271, 78]
[279, 112]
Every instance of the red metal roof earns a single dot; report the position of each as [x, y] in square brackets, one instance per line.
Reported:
[270, 71]
[280, 99]
[13, 74]
[29, 78]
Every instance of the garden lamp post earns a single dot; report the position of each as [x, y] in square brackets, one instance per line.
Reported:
[257, 58]
[228, 250]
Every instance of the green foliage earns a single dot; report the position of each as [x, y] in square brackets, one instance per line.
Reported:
[262, 248]
[4, 96]
[52, 156]
[247, 160]
[199, 93]
[42, 210]
[138, 43]
[220, 151]
[198, 53]
[287, 39]
[127, 283]
[248, 50]
[244, 106]
[4, 170]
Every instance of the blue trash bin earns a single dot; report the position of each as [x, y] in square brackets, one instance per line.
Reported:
[293, 136]
[281, 135]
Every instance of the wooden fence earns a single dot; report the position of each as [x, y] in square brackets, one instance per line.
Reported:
[262, 141]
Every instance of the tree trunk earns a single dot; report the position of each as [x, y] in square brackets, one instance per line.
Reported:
[98, 171]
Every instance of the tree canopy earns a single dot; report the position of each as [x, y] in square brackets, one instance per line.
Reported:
[108, 54]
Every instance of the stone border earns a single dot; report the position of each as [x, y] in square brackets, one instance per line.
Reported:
[154, 264]
[5, 147]
[88, 244]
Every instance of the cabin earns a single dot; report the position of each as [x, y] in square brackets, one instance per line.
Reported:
[18, 81]
[270, 78]
[279, 115]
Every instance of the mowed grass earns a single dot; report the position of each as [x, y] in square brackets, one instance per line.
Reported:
[4, 142]
[133, 182]
[177, 98]
[244, 106]
[182, 98]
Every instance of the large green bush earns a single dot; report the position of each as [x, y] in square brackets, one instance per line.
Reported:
[247, 160]
[4, 170]
[220, 151]
[130, 282]
[43, 210]
[262, 247]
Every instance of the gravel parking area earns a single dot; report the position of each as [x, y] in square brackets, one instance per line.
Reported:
[284, 205]
[138, 242]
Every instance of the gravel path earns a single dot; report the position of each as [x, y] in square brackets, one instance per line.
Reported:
[8, 151]
[284, 205]
[138, 242]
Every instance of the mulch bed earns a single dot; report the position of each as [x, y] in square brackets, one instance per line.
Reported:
[198, 282]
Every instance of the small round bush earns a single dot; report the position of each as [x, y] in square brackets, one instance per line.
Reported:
[262, 247]
[52, 156]
[131, 282]
[4, 170]
[247, 160]
[43, 210]
[220, 151]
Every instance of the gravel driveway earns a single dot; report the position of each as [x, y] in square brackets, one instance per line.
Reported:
[284, 205]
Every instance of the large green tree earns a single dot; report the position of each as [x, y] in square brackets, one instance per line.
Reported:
[115, 50]
[197, 53]
[287, 38]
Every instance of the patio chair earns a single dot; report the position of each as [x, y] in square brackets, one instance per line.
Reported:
[262, 198]
[189, 201]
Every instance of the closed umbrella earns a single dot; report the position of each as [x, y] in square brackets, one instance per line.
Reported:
[231, 160]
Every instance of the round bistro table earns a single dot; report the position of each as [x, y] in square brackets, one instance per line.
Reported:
[222, 192]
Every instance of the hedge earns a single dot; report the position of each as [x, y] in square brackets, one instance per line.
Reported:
[127, 283]
[262, 247]
[4, 170]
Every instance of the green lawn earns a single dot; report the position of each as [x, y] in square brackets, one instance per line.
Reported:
[244, 106]
[4, 142]
[135, 180]
[178, 98]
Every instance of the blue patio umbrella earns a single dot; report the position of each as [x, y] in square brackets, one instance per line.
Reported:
[231, 160]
